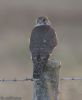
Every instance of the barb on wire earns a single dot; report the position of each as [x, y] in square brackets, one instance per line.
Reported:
[31, 79]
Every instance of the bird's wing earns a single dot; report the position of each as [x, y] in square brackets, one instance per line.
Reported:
[43, 38]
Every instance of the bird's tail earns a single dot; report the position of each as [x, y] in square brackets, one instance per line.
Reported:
[39, 66]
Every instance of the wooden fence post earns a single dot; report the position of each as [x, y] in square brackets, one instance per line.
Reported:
[40, 86]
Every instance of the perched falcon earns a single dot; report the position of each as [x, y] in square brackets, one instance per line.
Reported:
[42, 41]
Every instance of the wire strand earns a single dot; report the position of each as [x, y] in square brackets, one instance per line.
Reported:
[31, 79]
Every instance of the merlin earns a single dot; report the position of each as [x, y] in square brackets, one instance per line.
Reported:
[42, 42]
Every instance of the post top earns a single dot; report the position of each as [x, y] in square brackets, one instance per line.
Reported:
[54, 63]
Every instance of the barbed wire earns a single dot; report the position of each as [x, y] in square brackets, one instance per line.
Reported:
[71, 78]
[16, 80]
[32, 79]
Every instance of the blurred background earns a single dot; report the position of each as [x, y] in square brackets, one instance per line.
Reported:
[17, 19]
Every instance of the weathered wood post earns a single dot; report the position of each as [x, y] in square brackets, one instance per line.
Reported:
[51, 74]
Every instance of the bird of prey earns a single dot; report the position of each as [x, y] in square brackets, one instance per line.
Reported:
[42, 42]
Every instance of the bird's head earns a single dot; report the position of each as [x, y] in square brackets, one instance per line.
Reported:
[42, 21]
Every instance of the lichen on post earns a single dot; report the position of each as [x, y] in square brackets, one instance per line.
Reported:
[51, 75]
